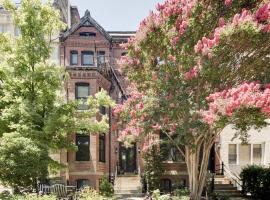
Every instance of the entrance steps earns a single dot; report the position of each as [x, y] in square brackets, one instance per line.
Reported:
[223, 186]
[127, 186]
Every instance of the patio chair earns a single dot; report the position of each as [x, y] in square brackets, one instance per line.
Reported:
[44, 189]
[60, 191]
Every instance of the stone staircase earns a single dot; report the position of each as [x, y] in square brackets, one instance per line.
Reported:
[127, 186]
[224, 186]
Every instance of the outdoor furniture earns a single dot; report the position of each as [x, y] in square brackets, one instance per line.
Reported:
[61, 192]
[44, 189]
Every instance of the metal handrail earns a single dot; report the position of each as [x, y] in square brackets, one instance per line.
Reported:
[234, 177]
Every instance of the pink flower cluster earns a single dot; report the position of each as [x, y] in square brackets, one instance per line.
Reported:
[261, 20]
[193, 73]
[226, 102]
[128, 61]
[228, 2]
[205, 45]
[177, 8]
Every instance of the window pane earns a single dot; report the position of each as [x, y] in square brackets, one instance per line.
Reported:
[102, 148]
[257, 153]
[82, 91]
[87, 58]
[232, 154]
[244, 154]
[101, 57]
[74, 58]
[83, 143]
[81, 183]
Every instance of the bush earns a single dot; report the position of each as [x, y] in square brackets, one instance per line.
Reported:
[256, 181]
[7, 196]
[217, 196]
[181, 192]
[89, 194]
[153, 169]
[106, 188]
[156, 196]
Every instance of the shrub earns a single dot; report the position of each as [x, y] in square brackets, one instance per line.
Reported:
[217, 196]
[106, 188]
[156, 196]
[181, 192]
[89, 194]
[153, 168]
[256, 181]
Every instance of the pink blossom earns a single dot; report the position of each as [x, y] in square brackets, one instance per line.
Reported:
[228, 2]
[193, 73]
[226, 102]
[156, 127]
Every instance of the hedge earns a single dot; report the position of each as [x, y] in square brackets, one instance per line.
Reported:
[256, 181]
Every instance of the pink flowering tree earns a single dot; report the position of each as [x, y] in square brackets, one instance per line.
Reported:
[197, 66]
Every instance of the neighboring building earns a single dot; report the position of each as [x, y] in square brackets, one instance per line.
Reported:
[6, 23]
[236, 155]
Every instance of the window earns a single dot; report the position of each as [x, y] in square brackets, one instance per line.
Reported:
[124, 54]
[232, 154]
[17, 31]
[101, 57]
[82, 183]
[74, 57]
[87, 58]
[102, 152]
[87, 34]
[83, 144]
[82, 93]
[166, 185]
[244, 154]
[3, 28]
[169, 150]
[257, 153]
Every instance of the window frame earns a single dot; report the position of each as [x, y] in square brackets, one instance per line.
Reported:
[79, 156]
[99, 55]
[77, 85]
[102, 148]
[83, 53]
[235, 154]
[88, 34]
[73, 52]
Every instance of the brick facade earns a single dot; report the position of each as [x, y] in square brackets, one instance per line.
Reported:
[108, 42]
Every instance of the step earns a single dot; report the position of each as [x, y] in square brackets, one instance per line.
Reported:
[231, 193]
[225, 187]
[127, 196]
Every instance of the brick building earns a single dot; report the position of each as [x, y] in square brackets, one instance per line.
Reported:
[89, 54]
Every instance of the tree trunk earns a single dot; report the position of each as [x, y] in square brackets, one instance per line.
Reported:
[197, 167]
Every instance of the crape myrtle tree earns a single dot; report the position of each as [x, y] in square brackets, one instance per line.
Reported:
[195, 67]
[34, 115]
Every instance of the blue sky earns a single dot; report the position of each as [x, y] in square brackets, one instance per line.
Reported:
[117, 15]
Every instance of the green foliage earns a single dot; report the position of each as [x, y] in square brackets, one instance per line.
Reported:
[7, 196]
[181, 192]
[256, 181]
[153, 169]
[157, 196]
[22, 161]
[88, 194]
[217, 196]
[106, 188]
[34, 115]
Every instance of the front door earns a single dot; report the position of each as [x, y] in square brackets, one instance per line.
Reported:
[127, 158]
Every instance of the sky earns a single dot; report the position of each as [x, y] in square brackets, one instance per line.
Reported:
[117, 15]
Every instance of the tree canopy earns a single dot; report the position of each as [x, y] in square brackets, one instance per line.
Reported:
[35, 116]
[197, 66]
